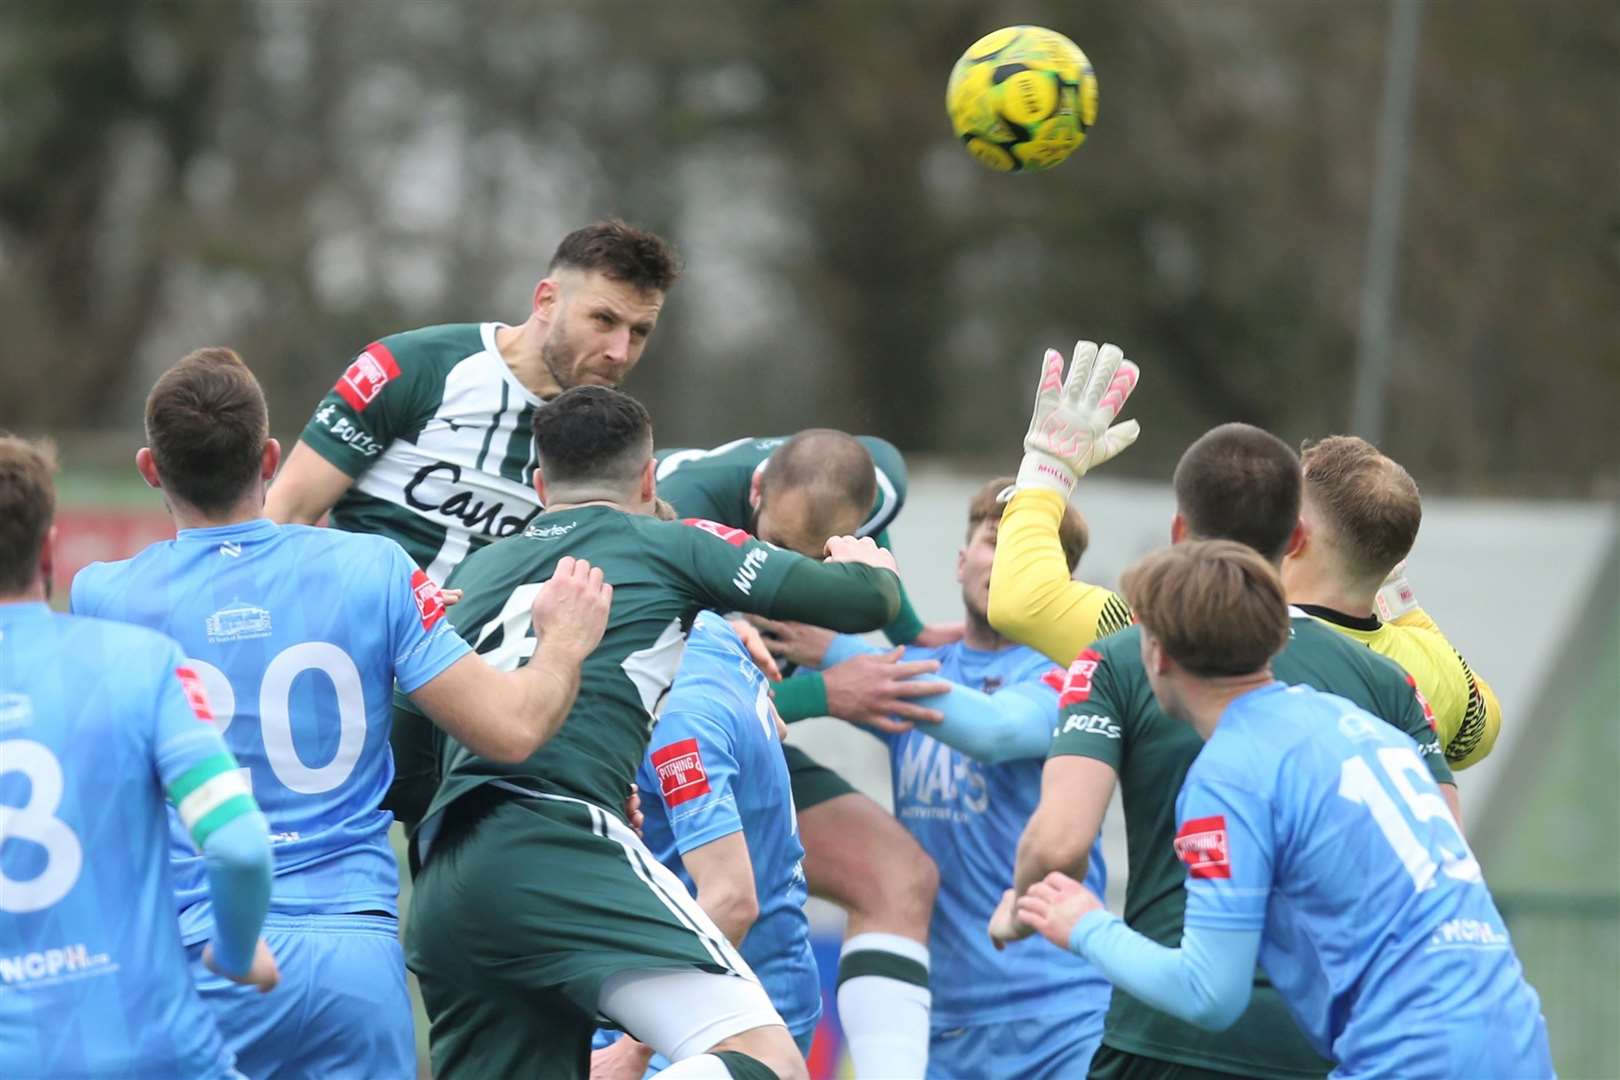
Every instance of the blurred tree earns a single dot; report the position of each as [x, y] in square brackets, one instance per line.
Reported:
[297, 179]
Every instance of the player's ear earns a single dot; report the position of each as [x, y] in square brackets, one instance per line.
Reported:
[961, 563]
[47, 560]
[271, 461]
[539, 482]
[1178, 528]
[753, 491]
[146, 465]
[545, 295]
[649, 482]
[1297, 540]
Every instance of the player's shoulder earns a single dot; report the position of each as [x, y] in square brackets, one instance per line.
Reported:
[97, 582]
[138, 645]
[434, 347]
[1314, 643]
[885, 455]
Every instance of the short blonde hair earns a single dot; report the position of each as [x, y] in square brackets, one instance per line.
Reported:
[1216, 606]
[27, 505]
[1371, 504]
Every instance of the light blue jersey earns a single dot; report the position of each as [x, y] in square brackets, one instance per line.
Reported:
[715, 767]
[1310, 819]
[968, 816]
[96, 721]
[299, 635]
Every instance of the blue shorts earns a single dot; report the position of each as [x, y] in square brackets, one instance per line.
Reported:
[340, 1011]
[1036, 1048]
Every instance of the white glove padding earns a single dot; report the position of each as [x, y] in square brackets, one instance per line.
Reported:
[1395, 596]
[1070, 432]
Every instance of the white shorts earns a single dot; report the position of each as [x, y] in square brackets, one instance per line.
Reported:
[682, 1014]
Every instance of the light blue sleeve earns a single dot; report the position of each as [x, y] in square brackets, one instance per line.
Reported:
[240, 868]
[1015, 723]
[1205, 982]
[695, 769]
[424, 643]
[204, 782]
[1224, 836]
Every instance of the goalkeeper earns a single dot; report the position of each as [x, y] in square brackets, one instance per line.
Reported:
[1360, 517]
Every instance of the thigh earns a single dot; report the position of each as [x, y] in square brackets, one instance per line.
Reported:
[553, 895]
[713, 1008]
[846, 839]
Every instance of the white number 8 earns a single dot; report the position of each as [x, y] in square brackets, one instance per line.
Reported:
[36, 821]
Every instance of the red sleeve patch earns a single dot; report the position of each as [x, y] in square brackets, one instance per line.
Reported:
[367, 376]
[1201, 844]
[196, 696]
[1054, 679]
[681, 776]
[1428, 710]
[429, 601]
[734, 537]
[1076, 686]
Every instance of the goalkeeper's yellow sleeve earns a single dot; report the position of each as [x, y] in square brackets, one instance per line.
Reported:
[1482, 715]
[1033, 601]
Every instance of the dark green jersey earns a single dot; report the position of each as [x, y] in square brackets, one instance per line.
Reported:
[662, 574]
[714, 484]
[435, 430]
[1109, 713]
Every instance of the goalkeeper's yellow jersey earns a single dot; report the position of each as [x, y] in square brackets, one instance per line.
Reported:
[1033, 600]
[1466, 712]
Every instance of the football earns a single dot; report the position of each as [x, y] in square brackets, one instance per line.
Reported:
[1022, 97]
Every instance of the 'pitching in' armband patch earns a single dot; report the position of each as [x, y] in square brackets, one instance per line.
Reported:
[209, 795]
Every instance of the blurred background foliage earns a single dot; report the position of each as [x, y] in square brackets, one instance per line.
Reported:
[296, 179]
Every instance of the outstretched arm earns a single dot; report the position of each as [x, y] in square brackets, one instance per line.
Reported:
[306, 488]
[1207, 981]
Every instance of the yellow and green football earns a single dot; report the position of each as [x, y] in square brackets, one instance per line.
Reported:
[1022, 97]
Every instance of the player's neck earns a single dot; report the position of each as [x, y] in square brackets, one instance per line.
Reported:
[562, 499]
[978, 634]
[33, 594]
[1308, 586]
[1205, 700]
[523, 349]
[248, 508]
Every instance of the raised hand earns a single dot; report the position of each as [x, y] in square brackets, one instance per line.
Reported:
[860, 550]
[1054, 904]
[1072, 429]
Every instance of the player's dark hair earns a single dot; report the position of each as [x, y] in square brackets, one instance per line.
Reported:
[989, 501]
[1216, 606]
[592, 434]
[206, 424]
[27, 505]
[1239, 482]
[621, 252]
[1372, 505]
[828, 469]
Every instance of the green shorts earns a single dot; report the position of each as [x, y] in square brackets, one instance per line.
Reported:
[522, 908]
[1109, 1063]
[812, 783]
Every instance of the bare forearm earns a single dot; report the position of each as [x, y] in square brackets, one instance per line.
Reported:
[1047, 845]
[733, 911]
[546, 689]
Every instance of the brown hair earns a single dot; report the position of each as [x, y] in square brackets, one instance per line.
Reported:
[27, 505]
[1372, 504]
[989, 501]
[1239, 482]
[206, 424]
[1216, 606]
[621, 252]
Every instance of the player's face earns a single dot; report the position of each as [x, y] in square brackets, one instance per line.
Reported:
[599, 329]
[973, 568]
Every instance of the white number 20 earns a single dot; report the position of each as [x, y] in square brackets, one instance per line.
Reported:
[1359, 784]
[275, 718]
[36, 821]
